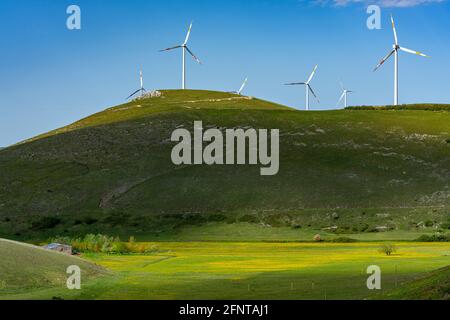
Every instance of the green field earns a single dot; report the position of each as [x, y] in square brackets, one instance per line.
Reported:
[193, 270]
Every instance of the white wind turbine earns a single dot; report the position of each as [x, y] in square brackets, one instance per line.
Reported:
[307, 86]
[185, 48]
[141, 89]
[242, 87]
[394, 51]
[344, 95]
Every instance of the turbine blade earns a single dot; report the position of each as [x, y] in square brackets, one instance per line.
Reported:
[395, 31]
[133, 94]
[188, 34]
[171, 48]
[310, 89]
[294, 83]
[342, 85]
[384, 60]
[414, 52]
[243, 86]
[193, 55]
[312, 75]
[340, 99]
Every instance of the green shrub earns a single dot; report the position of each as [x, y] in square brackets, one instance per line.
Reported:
[250, 218]
[194, 219]
[437, 237]
[45, 223]
[342, 229]
[119, 248]
[217, 217]
[343, 240]
[117, 218]
[429, 223]
[277, 220]
[445, 225]
[98, 243]
[363, 227]
[423, 106]
[89, 220]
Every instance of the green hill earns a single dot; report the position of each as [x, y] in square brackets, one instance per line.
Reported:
[343, 171]
[434, 285]
[25, 267]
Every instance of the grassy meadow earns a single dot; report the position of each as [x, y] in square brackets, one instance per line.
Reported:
[236, 270]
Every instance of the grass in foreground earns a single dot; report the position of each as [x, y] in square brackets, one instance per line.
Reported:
[255, 271]
[434, 285]
[25, 268]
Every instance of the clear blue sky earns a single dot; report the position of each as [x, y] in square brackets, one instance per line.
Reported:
[51, 76]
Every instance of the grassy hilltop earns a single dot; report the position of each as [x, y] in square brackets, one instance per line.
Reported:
[358, 171]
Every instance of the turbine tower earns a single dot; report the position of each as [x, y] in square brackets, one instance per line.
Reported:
[141, 89]
[307, 87]
[395, 52]
[344, 95]
[185, 48]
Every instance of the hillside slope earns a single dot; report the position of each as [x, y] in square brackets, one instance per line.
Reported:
[111, 172]
[26, 267]
[432, 286]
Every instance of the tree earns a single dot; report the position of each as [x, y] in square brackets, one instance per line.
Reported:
[388, 249]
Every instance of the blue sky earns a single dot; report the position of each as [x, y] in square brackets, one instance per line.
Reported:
[51, 76]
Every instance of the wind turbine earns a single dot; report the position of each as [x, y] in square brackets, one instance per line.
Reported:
[344, 95]
[185, 48]
[141, 90]
[242, 87]
[394, 52]
[307, 86]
